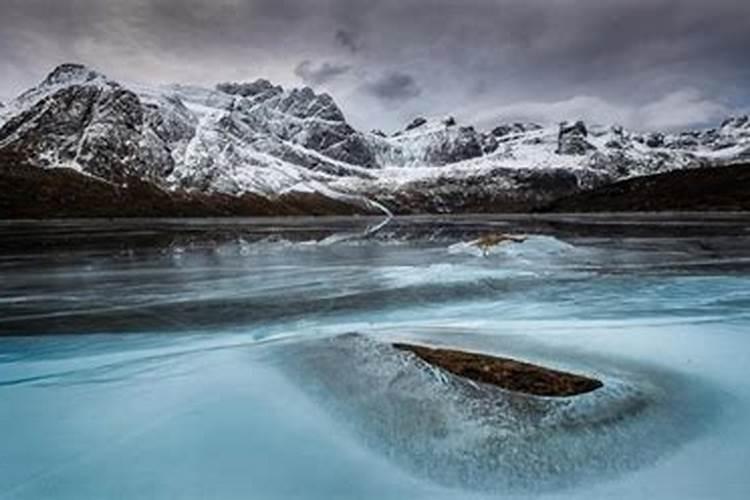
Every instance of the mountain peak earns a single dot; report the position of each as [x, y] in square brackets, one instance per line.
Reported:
[741, 121]
[416, 123]
[304, 102]
[68, 73]
[432, 124]
[505, 129]
[249, 89]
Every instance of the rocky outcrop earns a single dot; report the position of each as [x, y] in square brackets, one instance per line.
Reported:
[465, 144]
[489, 241]
[429, 143]
[509, 374]
[732, 132]
[300, 116]
[260, 87]
[571, 139]
[68, 73]
[655, 140]
[415, 124]
[513, 128]
[100, 128]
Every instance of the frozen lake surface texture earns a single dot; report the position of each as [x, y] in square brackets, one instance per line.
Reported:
[253, 359]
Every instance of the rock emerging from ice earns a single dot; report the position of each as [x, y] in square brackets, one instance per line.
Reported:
[465, 433]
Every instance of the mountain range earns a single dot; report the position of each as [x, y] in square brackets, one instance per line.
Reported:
[80, 143]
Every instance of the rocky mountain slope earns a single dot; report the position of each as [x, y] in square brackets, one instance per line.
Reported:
[31, 192]
[700, 190]
[259, 141]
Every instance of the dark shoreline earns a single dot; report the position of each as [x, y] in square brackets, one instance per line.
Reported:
[711, 189]
[34, 193]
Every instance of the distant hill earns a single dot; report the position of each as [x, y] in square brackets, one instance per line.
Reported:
[705, 189]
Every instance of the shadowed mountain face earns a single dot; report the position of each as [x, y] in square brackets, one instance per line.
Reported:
[719, 189]
[32, 192]
[258, 141]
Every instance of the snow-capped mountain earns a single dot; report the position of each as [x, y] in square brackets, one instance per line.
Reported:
[258, 138]
[231, 139]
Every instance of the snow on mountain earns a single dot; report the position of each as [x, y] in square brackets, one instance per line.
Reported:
[434, 143]
[426, 144]
[232, 139]
[80, 119]
[260, 138]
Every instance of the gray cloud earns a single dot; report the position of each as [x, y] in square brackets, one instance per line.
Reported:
[348, 40]
[467, 56]
[394, 86]
[684, 107]
[318, 75]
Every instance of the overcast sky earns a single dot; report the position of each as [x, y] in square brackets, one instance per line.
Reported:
[641, 63]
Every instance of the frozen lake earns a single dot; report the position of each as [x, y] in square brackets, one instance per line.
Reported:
[208, 359]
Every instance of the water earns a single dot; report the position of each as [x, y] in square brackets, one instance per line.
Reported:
[252, 359]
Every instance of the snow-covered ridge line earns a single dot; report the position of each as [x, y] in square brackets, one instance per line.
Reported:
[260, 138]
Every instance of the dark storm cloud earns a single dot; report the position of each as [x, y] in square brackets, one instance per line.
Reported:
[318, 75]
[394, 86]
[522, 57]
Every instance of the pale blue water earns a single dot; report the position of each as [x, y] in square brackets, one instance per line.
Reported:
[202, 359]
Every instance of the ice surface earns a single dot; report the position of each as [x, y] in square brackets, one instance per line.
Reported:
[461, 434]
[212, 366]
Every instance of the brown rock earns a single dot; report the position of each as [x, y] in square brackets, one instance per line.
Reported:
[490, 240]
[506, 373]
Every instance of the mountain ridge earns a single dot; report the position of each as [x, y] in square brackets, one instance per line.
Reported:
[259, 139]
